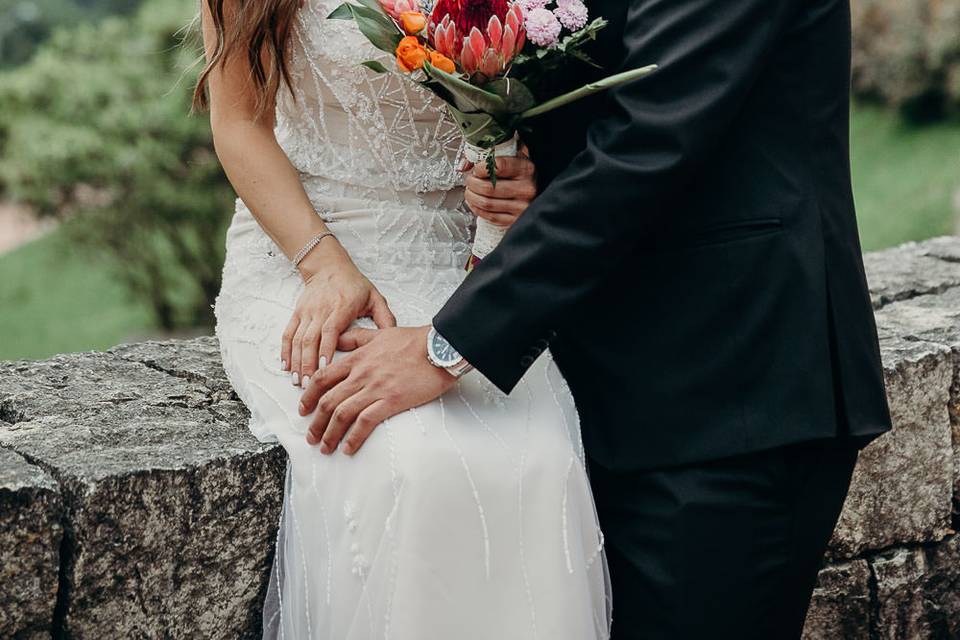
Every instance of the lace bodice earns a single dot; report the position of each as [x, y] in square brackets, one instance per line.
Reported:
[348, 124]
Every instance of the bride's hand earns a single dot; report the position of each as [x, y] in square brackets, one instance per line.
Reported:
[334, 295]
[516, 188]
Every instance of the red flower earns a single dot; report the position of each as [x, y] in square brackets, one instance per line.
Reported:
[467, 14]
[487, 49]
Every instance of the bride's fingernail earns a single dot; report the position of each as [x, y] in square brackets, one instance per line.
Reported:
[306, 381]
[322, 363]
[283, 365]
[296, 379]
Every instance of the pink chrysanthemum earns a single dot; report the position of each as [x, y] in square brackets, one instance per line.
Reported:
[572, 14]
[543, 28]
[530, 5]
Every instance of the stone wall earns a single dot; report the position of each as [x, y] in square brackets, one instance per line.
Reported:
[134, 504]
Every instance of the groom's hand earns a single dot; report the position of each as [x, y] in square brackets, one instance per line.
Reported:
[386, 374]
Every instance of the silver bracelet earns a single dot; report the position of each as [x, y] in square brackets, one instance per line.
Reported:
[307, 248]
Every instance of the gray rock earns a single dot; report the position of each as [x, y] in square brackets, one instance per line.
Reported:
[30, 536]
[840, 608]
[901, 609]
[197, 360]
[171, 504]
[942, 589]
[934, 319]
[911, 270]
[903, 484]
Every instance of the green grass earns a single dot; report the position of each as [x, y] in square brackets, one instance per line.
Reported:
[904, 177]
[54, 300]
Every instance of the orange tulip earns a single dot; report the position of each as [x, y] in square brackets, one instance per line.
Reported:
[413, 22]
[442, 62]
[410, 54]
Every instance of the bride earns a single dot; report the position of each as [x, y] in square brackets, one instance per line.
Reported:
[470, 517]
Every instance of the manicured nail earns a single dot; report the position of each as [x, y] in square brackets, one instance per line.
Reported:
[348, 450]
[310, 439]
[296, 378]
[283, 365]
[303, 412]
[325, 449]
[305, 382]
[323, 363]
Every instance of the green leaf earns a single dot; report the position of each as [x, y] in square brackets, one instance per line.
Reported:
[376, 66]
[379, 29]
[373, 4]
[468, 97]
[492, 167]
[342, 12]
[480, 129]
[376, 25]
[516, 96]
[375, 14]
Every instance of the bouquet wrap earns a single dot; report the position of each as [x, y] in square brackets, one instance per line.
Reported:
[488, 234]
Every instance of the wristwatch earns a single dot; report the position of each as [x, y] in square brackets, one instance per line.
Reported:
[441, 354]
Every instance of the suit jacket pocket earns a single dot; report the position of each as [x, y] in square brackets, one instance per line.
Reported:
[735, 230]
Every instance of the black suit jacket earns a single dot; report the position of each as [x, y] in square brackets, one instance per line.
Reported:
[693, 261]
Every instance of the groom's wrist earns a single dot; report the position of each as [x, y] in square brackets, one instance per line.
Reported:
[443, 355]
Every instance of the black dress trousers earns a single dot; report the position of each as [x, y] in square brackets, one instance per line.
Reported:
[722, 549]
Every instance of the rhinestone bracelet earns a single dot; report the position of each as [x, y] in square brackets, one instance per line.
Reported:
[307, 248]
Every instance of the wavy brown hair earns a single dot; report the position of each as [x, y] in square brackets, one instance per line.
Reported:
[257, 30]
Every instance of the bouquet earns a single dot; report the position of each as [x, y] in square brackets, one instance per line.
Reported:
[491, 61]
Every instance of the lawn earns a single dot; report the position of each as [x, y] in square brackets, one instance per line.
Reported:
[904, 177]
[54, 300]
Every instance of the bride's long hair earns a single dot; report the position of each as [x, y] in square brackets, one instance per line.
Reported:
[258, 30]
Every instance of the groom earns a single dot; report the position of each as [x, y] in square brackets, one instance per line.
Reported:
[693, 265]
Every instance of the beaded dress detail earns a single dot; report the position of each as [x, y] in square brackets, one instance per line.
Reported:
[470, 517]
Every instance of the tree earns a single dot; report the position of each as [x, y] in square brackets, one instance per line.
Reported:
[24, 24]
[96, 127]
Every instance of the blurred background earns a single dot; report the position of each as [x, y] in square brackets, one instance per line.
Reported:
[113, 206]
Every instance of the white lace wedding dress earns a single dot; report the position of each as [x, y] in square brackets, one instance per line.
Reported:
[468, 518]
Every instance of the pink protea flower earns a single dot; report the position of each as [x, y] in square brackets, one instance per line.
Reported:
[490, 52]
[396, 7]
[467, 14]
[488, 49]
[445, 38]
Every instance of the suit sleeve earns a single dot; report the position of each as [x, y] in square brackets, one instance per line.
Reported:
[589, 219]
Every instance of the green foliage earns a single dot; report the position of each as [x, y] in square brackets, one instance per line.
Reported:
[904, 177]
[55, 299]
[24, 24]
[97, 128]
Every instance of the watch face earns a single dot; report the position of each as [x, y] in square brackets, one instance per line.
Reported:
[443, 351]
